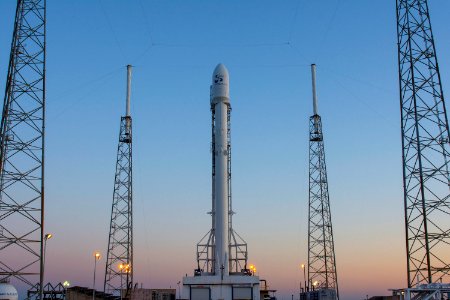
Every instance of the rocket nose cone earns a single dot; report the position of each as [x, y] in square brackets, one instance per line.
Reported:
[220, 75]
[220, 85]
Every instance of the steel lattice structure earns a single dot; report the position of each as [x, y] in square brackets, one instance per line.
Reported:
[50, 292]
[425, 147]
[237, 245]
[322, 271]
[22, 149]
[119, 261]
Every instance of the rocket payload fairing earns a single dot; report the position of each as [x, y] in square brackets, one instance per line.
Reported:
[220, 101]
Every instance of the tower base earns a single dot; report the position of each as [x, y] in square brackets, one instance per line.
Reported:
[212, 287]
[320, 294]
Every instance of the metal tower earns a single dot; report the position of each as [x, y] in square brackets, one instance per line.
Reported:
[22, 149]
[119, 261]
[237, 245]
[425, 147]
[322, 272]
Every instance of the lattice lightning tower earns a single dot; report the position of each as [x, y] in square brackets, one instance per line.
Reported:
[119, 261]
[425, 145]
[322, 272]
[22, 149]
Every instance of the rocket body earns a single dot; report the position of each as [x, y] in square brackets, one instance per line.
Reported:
[220, 102]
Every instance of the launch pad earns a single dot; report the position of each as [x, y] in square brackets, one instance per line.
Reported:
[320, 294]
[217, 287]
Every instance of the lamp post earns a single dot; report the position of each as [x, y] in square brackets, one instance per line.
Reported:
[66, 285]
[46, 237]
[41, 289]
[121, 266]
[179, 291]
[123, 269]
[304, 274]
[97, 256]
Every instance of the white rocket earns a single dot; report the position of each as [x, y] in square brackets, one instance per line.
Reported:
[220, 101]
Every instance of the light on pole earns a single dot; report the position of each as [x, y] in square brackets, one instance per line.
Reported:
[97, 256]
[304, 274]
[316, 284]
[41, 289]
[253, 269]
[121, 266]
[123, 269]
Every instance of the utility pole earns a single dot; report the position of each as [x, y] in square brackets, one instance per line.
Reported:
[120, 243]
[321, 257]
[425, 147]
[22, 133]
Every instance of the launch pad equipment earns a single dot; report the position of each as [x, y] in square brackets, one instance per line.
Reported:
[119, 261]
[322, 273]
[321, 294]
[425, 147]
[22, 135]
[222, 232]
[222, 254]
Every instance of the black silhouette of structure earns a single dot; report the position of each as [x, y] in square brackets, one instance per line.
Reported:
[50, 292]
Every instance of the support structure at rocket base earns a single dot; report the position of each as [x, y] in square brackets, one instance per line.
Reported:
[224, 274]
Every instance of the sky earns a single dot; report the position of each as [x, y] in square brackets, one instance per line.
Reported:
[268, 47]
